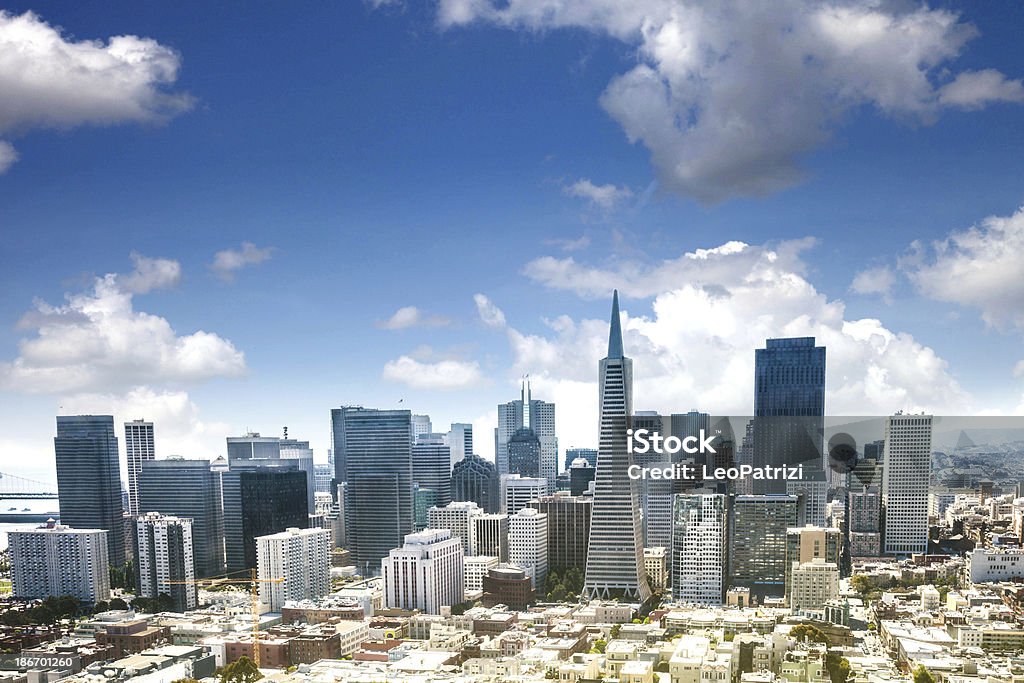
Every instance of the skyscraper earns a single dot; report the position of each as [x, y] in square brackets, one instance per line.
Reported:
[89, 478]
[421, 425]
[460, 441]
[863, 521]
[258, 500]
[527, 412]
[524, 453]
[519, 491]
[138, 446]
[588, 454]
[490, 535]
[457, 517]
[528, 544]
[163, 559]
[431, 466]
[189, 489]
[789, 404]
[807, 543]
[905, 472]
[299, 453]
[698, 548]
[475, 479]
[568, 529]
[373, 455]
[615, 562]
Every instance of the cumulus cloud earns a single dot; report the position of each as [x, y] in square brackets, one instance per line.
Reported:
[979, 268]
[490, 315]
[178, 427]
[52, 81]
[97, 342]
[605, 196]
[410, 316]
[229, 261]
[878, 280]
[443, 375]
[693, 344]
[729, 97]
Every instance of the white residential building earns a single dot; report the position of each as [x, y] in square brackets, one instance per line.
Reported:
[698, 548]
[908, 453]
[164, 559]
[58, 560]
[426, 573]
[528, 544]
[813, 584]
[457, 517]
[988, 565]
[138, 446]
[302, 557]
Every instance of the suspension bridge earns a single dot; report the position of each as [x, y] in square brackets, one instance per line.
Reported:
[20, 487]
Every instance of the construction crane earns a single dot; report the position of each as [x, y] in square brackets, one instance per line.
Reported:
[253, 582]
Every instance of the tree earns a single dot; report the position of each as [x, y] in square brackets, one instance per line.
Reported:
[240, 671]
[118, 604]
[600, 644]
[861, 584]
[661, 667]
[613, 632]
[811, 633]
[838, 667]
[923, 675]
[101, 606]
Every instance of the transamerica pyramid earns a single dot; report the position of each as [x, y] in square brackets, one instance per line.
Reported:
[615, 561]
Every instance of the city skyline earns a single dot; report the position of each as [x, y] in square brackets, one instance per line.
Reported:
[397, 179]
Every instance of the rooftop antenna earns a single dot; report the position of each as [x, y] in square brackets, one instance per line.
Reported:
[286, 432]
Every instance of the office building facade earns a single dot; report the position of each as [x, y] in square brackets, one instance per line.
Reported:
[294, 564]
[757, 542]
[139, 447]
[476, 479]
[698, 557]
[528, 544]
[164, 562]
[905, 473]
[425, 573]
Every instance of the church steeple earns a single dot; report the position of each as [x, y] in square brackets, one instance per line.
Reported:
[615, 333]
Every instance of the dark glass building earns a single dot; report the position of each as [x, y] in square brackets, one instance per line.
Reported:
[188, 488]
[373, 456]
[524, 453]
[588, 454]
[89, 478]
[475, 479]
[432, 468]
[257, 502]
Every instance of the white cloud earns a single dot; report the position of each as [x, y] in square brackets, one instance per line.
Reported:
[228, 261]
[443, 375]
[979, 267]
[410, 316]
[975, 89]
[8, 155]
[694, 345]
[52, 81]
[730, 96]
[178, 428]
[490, 315]
[604, 196]
[1018, 369]
[570, 245]
[878, 280]
[97, 342]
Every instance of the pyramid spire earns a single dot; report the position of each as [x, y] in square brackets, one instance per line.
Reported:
[615, 333]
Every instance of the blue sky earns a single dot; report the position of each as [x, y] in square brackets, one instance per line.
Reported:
[418, 154]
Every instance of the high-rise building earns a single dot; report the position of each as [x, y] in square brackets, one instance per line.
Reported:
[302, 557]
[422, 500]
[258, 501]
[475, 568]
[905, 472]
[299, 453]
[188, 489]
[138, 446]
[568, 529]
[789, 404]
[425, 573]
[457, 517]
[528, 544]
[431, 466]
[527, 412]
[252, 446]
[615, 562]
[698, 548]
[524, 453]
[373, 455]
[323, 475]
[460, 441]
[58, 560]
[490, 535]
[757, 542]
[89, 478]
[476, 479]
[863, 521]
[164, 563]
[655, 495]
[807, 543]
[588, 454]
[656, 567]
[519, 491]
